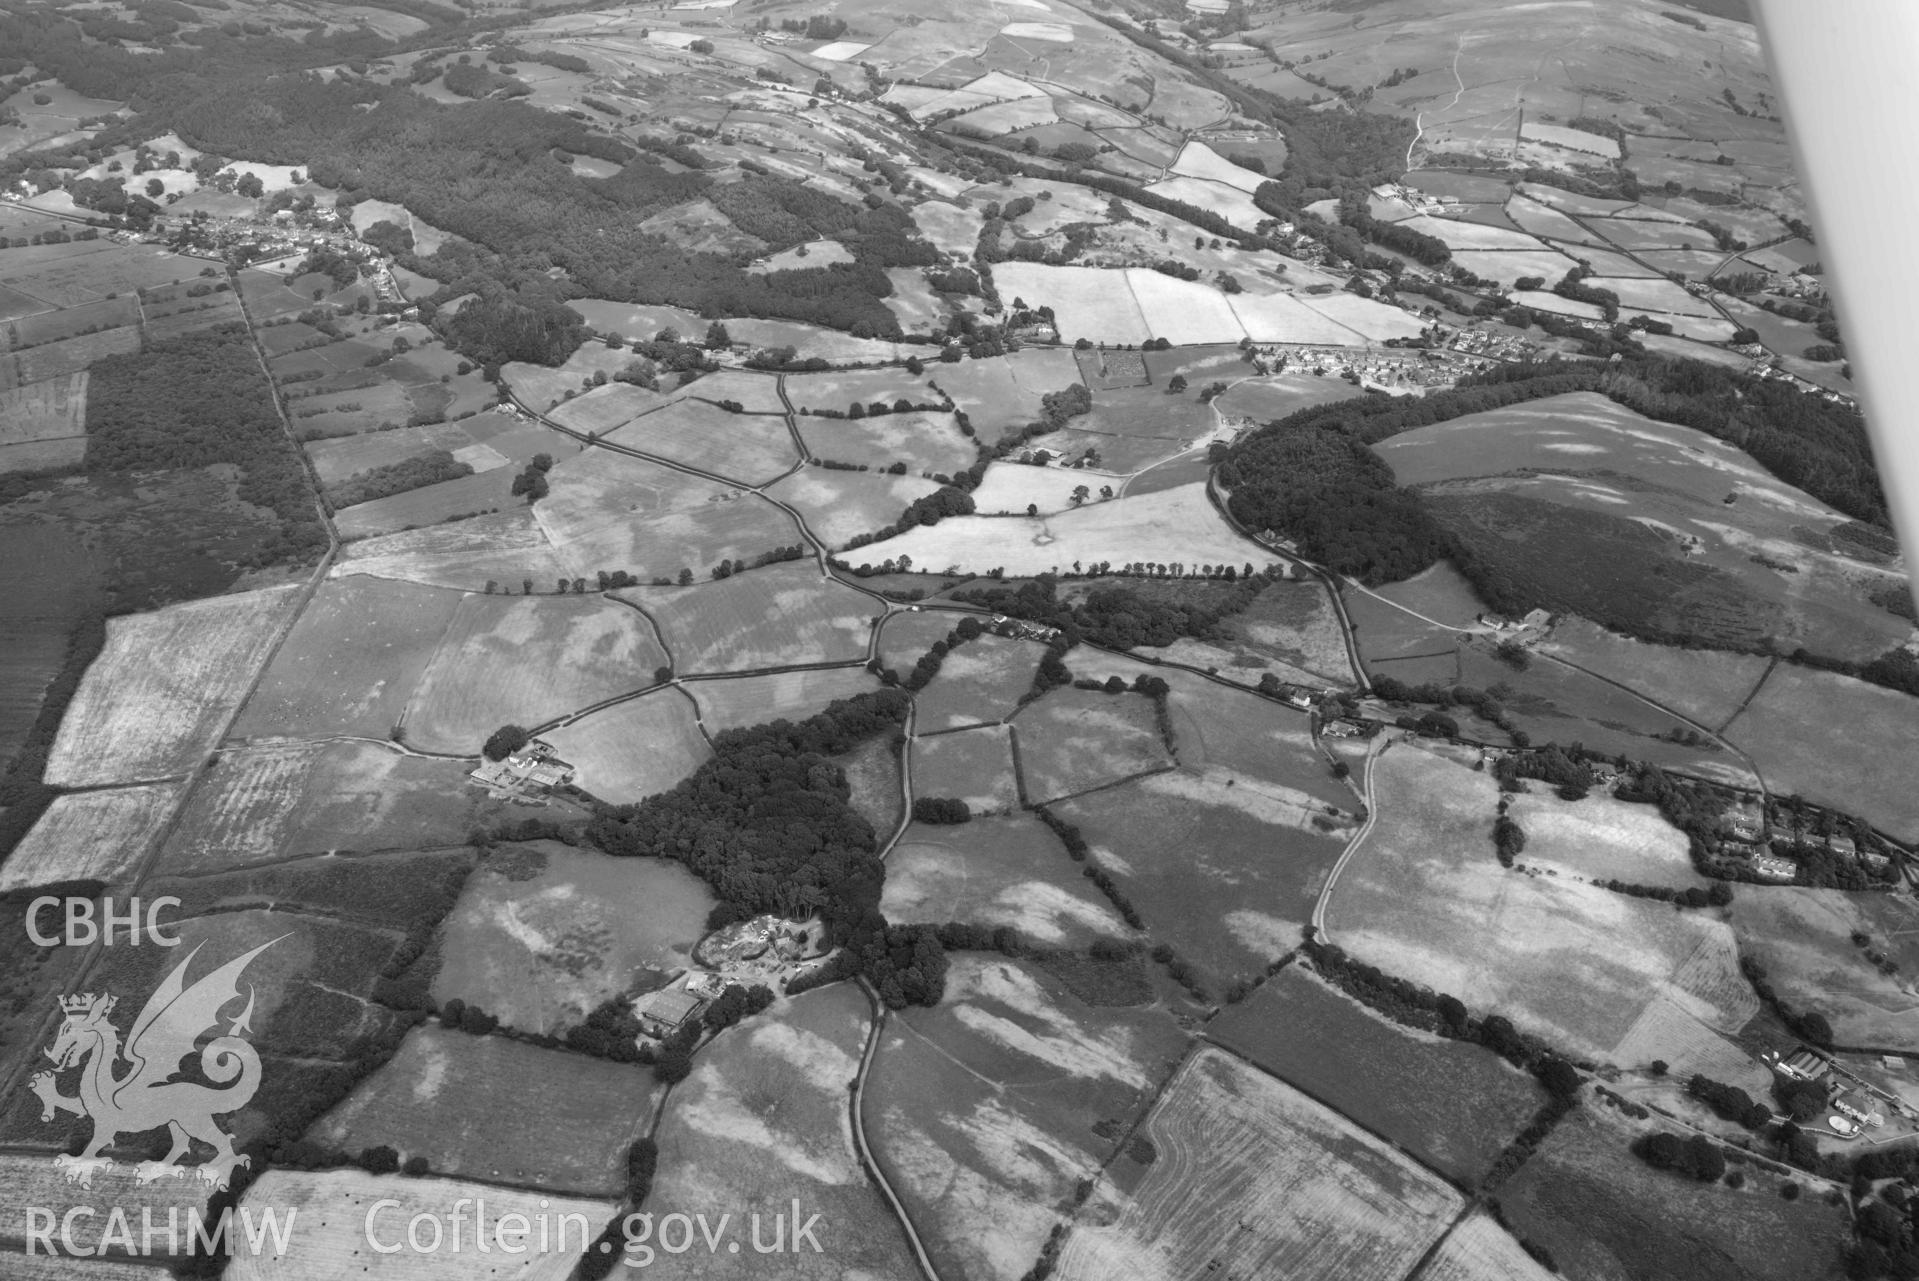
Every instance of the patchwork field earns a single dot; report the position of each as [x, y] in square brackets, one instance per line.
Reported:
[286, 797]
[762, 1120]
[1833, 740]
[352, 660]
[544, 932]
[752, 449]
[1309, 1193]
[972, 765]
[627, 752]
[1226, 869]
[334, 1208]
[1706, 686]
[925, 442]
[1076, 740]
[838, 506]
[461, 1102]
[772, 617]
[979, 682]
[1290, 630]
[507, 548]
[1453, 1105]
[754, 700]
[524, 660]
[1478, 1249]
[608, 511]
[990, 1107]
[996, 871]
[102, 835]
[163, 688]
[1425, 899]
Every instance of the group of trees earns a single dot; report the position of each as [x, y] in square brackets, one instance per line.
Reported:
[1119, 617]
[417, 472]
[531, 480]
[198, 401]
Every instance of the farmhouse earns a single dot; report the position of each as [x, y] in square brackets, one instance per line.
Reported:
[1775, 867]
[527, 775]
[665, 1012]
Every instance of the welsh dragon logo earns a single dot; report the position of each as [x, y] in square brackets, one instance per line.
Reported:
[145, 1096]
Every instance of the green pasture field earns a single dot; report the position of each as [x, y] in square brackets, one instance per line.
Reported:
[907, 634]
[162, 689]
[64, 357]
[1076, 740]
[343, 356]
[1460, 186]
[1804, 938]
[429, 505]
[1478, 1249]
[352, 660]
[998, 394]
[981, 681]
[1008, 871]
[268, 296]
[631, 320]
[526, 660]
[609, 512]
[1453, 1105]
[201, 313]
[1248, 1172]
[1425, 899]
[777, 616]
[838, 506]
[14, 304]
[72, 279]
[544, 932]
[1555, 703]
[991, 1106]
[1225, 869]
[48, 410]
[508, 548]
[1707, 686]
[757, 393]
[70, 322]
[1598, 1209]
[762, 1120]
[926, 442]
[1188, 468]
[1639, 234]
[98, 835]
[340, 458]
[631, 750]
[873, 778]
[973, 765]
[1812, 732]
[739, 701]
[840, 389]
[462, 1102]
[1266, 398]
[1600, 838]
[752, 449]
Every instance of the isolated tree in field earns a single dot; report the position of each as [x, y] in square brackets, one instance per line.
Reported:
[1176, 384]
[661, 675]
[505, 741]
[1032, 509]
[717, 339]
[686, 577]
[1080, 494]
[250, 186]
[156, 188]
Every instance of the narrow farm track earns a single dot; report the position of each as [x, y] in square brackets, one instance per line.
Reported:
[858, 1106]
[1374, 750]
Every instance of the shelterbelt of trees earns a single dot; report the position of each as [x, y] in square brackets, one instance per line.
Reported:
[489, 173]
